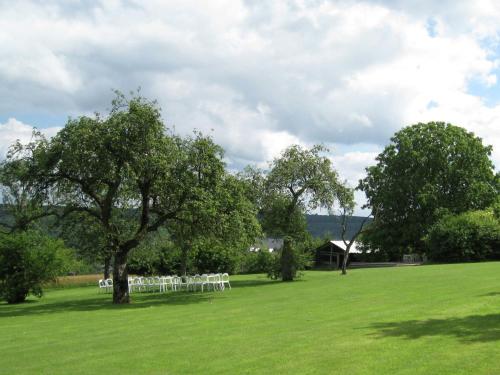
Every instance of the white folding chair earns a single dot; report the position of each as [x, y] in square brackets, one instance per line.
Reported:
[166, 281]
[109, 285]
[150, 284]
[156, 283]
[190, 283]
[102, 285]
[204, 281]
[213, 281]
[219, 283]
[182, 282]
[138, 284]
[225, 280]
[130, 284]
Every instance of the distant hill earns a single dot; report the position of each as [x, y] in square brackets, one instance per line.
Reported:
[318, 225]
[321, 225]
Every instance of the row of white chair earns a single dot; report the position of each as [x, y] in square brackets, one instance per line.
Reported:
[174, 283]
[105, 285]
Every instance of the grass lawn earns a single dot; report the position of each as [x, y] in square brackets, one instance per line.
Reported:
[442, 319]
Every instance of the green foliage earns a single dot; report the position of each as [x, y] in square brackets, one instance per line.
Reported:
[132, 177]
[298, 181]
[468, 236]
[304, 176]
[426, 169]
[84, 234]
[22, 201]
[215, 258]
[217, 229]
[279, 220]
[289, 261]
[261, 261]
[27, 260]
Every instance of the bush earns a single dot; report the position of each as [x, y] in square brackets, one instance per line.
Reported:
[258, 261]
[155, 258]
[27, 260]
[216, 258]
[471, 236]
[144, 261]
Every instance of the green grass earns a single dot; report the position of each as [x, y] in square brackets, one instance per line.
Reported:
[440, 319]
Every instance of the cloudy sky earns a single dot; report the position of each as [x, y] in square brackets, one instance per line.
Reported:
[258, 75]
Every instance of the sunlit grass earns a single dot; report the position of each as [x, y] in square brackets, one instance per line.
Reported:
[442, 319]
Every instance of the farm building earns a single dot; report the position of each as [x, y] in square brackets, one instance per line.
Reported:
[331, 254]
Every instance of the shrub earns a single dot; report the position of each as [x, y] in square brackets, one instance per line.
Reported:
[216, 258]
[470, 236]
[258, 262]
[27, 260]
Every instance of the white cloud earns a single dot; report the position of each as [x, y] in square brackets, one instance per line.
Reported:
[14, 130]
[261, 75]
[351, 165]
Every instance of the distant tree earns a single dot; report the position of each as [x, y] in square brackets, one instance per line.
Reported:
[27, 260]
[345, 197]
[425, 169]
[23, 203]
[298, 181]
[124, 164]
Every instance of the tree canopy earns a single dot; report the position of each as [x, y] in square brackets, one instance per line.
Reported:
[129, 174]
[299, 180]
[426, 170]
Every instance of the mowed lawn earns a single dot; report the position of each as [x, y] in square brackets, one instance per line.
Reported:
[442, 319]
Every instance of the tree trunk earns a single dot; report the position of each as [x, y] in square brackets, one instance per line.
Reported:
[344, 262]
[107, 266]
[16, 295]
[287, 261]
[120, 279]
[184, 259]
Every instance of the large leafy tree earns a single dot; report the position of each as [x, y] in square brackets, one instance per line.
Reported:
[299, 180]
[426, 170]
[126, 172]
[223, 215]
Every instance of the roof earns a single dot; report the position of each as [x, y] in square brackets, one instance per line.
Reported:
[354, 247]
[272, 244]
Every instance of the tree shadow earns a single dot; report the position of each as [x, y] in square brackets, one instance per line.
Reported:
[491, 294]
[138, 300]
[474, 328]
[104, 302]
[253, 283]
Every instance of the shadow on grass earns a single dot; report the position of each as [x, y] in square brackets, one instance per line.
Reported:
[469, 329]
[103, 302]
[253, 283]
[491, 294]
